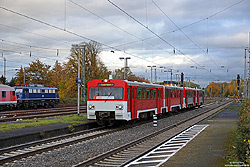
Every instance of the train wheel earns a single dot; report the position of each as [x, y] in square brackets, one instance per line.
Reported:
[35, 106]
[109, 123]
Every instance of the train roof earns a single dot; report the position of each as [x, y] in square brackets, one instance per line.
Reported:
[35, 86]
[5, 86]
[144, 84]
[135, 83]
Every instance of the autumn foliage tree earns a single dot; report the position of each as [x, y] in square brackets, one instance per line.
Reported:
[225, 89]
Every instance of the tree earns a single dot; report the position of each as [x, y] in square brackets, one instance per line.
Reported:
[12, 82]
[119, 74]
[3, 80]
[37, 72]
[19, 76]
[57, 80]
[94, 67]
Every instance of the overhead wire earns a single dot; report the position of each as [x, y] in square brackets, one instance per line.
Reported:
[70, 32]
[181, 30]
[133, 18]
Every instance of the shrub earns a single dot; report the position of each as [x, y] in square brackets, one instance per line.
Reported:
[242, 142]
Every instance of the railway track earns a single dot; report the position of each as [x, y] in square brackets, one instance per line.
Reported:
[128, 151]
[124, 155]
[30, 114]
[24, 150]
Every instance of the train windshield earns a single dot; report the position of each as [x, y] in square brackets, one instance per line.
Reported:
[107, 93]
[19, 90]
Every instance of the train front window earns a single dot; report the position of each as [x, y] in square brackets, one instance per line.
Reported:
[106, 93]
[19, 90]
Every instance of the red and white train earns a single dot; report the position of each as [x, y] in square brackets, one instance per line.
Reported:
[8, 98]
[110, 100]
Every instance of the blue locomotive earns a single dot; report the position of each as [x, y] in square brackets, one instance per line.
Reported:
[35, 95]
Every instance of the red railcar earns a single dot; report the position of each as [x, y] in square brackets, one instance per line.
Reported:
[112, 100]
[7, 97]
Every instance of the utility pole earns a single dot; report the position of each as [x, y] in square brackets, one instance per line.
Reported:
[79, 80]
[83, 73]
[4, 74]
[155, 76]
[151, 79]
[188, 78]
[24, 75]
[125, 66]
[245, 74]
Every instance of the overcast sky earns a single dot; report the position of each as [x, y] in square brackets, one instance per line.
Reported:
[203, 39]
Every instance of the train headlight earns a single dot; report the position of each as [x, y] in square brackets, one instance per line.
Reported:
[91, 107]
[119, 107]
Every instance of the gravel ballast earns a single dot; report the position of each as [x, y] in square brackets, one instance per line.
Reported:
[71, 155]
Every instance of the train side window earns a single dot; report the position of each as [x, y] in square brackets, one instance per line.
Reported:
[43, 91]
[154, 93]
[3, 94]
[147, 93]
[13, 93]
[46, 91]
[127, 93]
[161, 93]
[30, 90]
[133, 93]
[151, 93]
[143, 93]
[139, 93]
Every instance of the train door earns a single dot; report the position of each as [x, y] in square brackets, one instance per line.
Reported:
[129, 101]
[158, 99]
[133, 107]
[26, 93]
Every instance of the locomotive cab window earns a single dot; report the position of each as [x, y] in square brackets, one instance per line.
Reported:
[19, 90]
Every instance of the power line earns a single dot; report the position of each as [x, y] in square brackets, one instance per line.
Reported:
[70, 32]
[156, 34]
[182, 30]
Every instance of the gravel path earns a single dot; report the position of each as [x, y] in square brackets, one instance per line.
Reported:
[74, 154]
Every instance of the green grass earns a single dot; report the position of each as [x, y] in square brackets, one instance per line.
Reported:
[42, 121]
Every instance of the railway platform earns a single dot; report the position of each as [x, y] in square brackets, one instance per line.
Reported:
[209, 147]
[29, 134]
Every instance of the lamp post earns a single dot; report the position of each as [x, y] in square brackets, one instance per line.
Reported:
[125, 66]
[151, 79]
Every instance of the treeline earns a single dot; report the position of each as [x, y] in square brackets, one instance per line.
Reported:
[225, 89]
[63, 75]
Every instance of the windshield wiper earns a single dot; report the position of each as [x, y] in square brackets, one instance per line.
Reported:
[108, 96]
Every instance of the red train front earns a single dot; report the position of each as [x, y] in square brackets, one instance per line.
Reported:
[112, 100]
